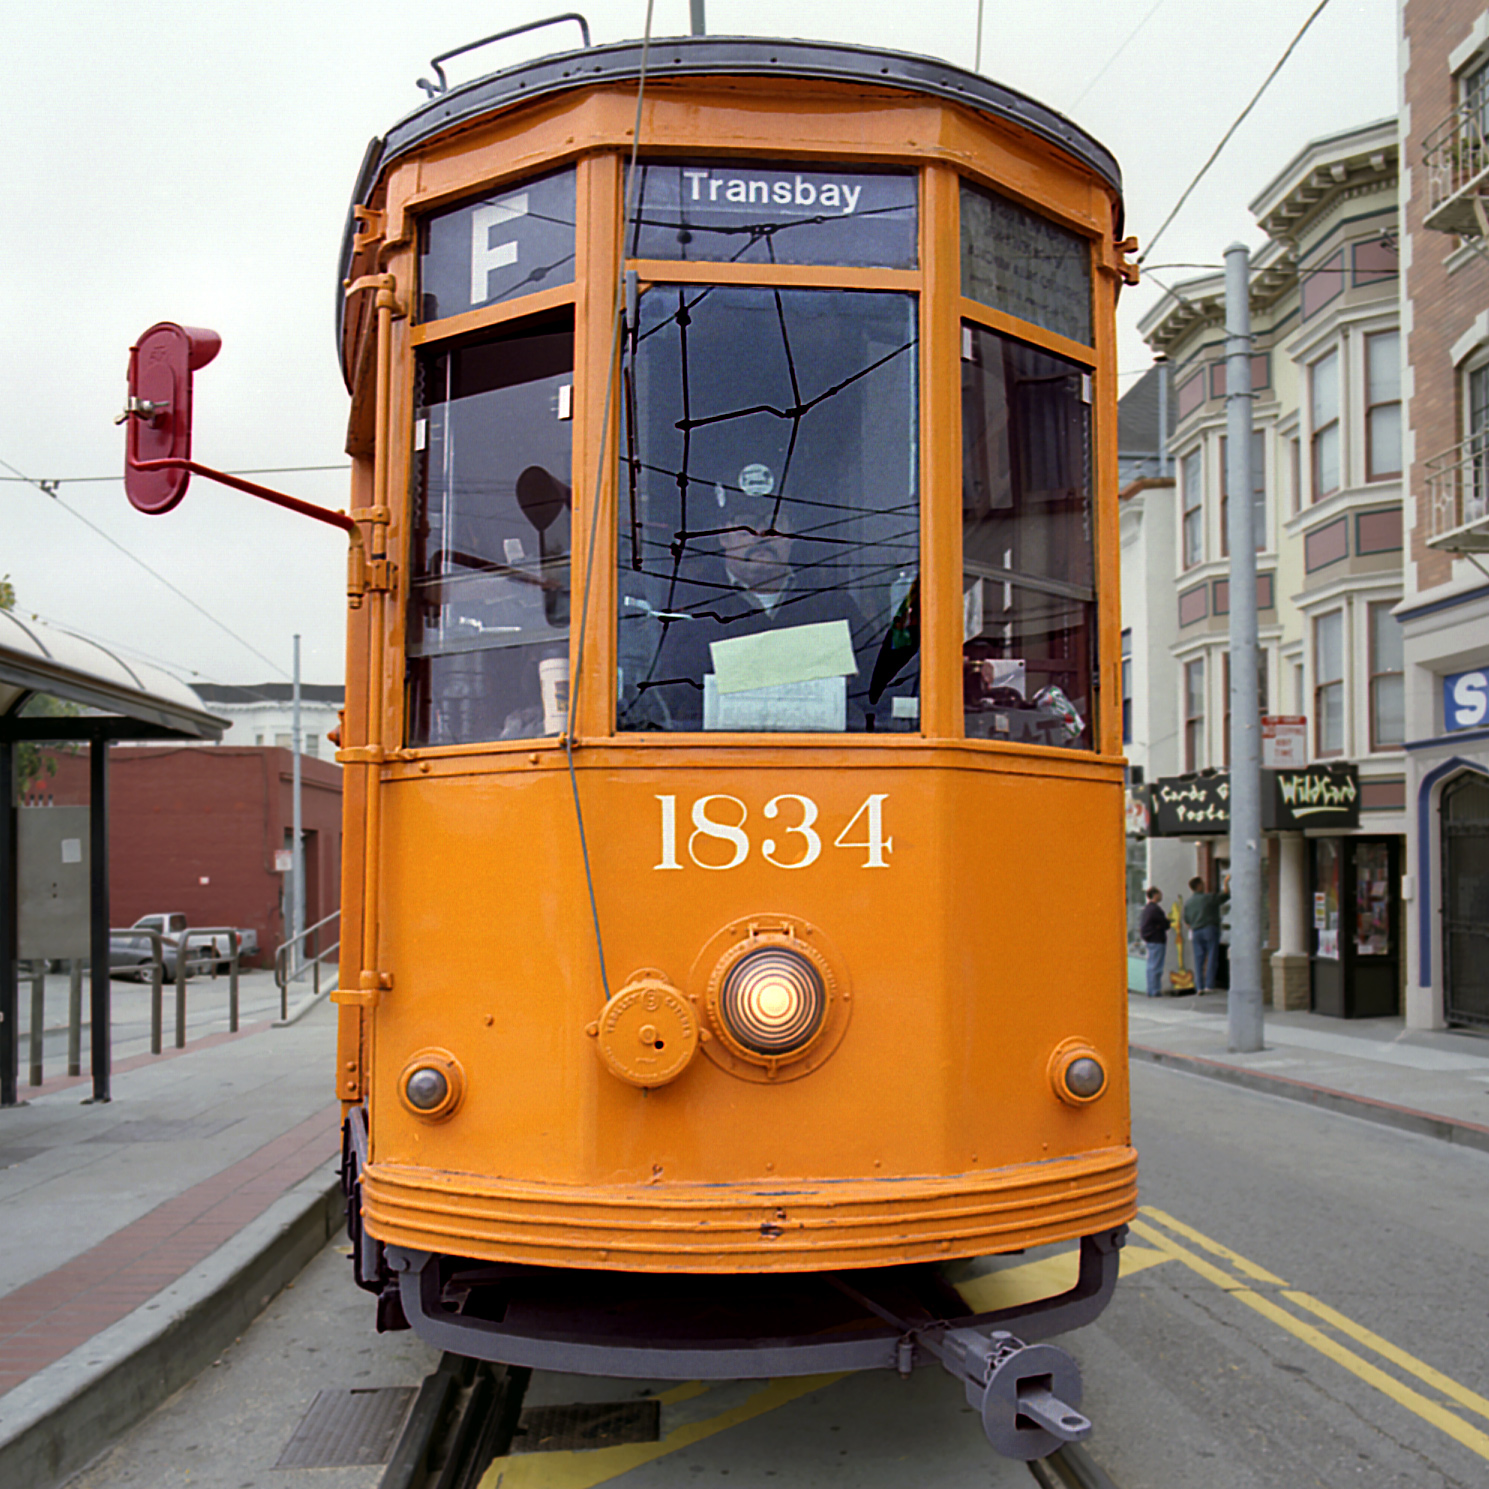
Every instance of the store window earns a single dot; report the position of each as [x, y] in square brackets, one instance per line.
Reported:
[1028, 550]
[1382, 405]
[1323, 386]
[1326, 873]
[1194, 714]
[1387, 683]
[769, 512]
[1192, 493]
[1258, 492]
[488, 614]
[1328, 684]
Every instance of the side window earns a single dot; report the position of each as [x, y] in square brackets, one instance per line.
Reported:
[488, 617]
[1028, 558]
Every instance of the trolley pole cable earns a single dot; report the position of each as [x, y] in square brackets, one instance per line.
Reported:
[594, 511]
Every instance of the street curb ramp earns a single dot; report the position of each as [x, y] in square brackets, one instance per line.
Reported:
[66, 1414]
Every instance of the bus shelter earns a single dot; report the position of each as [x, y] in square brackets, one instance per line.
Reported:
[116, 700]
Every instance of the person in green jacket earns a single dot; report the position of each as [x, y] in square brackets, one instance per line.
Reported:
[1202, 916]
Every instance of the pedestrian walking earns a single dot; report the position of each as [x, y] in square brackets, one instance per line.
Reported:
[1202, 916]
[1152, 927]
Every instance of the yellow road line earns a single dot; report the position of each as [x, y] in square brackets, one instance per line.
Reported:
[586, 1467]
[1331, 1316]
[1430, 1411]
[1423, 1371]
[1214, 1247]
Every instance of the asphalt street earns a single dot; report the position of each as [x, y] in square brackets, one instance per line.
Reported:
[1302, 1305]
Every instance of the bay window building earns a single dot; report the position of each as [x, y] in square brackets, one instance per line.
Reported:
[1327, 460]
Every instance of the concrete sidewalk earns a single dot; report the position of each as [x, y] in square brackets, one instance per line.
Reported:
[139, 1237]
[1434, 1082]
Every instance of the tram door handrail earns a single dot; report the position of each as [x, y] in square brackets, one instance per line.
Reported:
[443, 85]
[295, 949]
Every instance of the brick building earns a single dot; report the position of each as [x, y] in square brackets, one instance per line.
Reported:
[1445, 606]
[197, 830]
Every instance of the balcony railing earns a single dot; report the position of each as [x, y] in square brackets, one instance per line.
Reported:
[1458, 496]
[1456, 155]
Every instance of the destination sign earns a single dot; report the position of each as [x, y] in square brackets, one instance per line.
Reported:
[753, 214]
[510, 242]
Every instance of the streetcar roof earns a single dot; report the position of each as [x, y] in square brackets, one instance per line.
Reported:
[717, 56]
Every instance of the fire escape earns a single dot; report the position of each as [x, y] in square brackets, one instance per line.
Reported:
[1456, 156]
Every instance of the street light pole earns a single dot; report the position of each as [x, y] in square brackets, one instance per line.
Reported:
[297, 902]
[1244, 1003]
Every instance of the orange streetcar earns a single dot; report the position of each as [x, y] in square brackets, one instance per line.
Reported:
[733, 921]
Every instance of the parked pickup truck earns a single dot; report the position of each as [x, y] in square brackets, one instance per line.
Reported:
[130, 956]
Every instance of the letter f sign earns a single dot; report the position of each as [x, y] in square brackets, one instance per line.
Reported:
[486, 256]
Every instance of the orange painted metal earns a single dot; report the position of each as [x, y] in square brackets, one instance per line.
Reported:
[993, 934]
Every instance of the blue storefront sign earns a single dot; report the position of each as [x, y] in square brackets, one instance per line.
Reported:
[1465, 700]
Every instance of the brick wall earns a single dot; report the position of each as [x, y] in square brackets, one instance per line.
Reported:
[181, 816]
[1443, 305]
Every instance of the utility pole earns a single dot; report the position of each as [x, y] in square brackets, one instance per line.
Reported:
[297, 898]
[695, 16]
[1244, 1004]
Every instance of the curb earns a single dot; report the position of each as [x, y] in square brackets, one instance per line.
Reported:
[1407, 1119]
[64, 1415]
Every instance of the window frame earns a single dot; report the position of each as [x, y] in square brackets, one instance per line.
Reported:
[1330, 687]
[1192, 680]
[1372, 404]
[1192, 515]
[1317, 430]
[1376, 610]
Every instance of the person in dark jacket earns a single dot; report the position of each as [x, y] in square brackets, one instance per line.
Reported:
[1202, 916]
[1153, 928]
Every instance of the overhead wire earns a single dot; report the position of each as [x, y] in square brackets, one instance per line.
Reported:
[1110, 60]
[617, 315]
[154, 573]
[1239, 120]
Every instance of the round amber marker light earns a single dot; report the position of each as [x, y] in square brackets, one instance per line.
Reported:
[773, 1001]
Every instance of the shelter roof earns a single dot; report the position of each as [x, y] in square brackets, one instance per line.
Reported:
[38, 658]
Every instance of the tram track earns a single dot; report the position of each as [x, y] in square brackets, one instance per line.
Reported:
[467, 1414]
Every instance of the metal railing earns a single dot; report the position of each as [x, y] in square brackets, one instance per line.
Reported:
[291, 961]
[1456, 154]
[1458, 496]
[190, 954]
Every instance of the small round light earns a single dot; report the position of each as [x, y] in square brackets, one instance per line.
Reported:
[1084, 1077]
[427, 1088]
[773, 1001]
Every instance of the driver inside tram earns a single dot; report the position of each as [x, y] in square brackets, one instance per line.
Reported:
[752, 568]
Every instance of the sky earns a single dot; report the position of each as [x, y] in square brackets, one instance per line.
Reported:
[192, 160]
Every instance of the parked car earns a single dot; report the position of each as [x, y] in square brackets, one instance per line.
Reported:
[131, 956]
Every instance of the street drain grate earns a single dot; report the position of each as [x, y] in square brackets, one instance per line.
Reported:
[587, 1424]
[344, 1429]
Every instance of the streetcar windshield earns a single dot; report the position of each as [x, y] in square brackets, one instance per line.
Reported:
[769, 512]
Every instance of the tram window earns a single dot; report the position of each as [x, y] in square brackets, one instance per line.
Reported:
[488, 619]
[509, 242]
[1019, 262]
[728, 212]
[1028, 557]
[769, 512]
